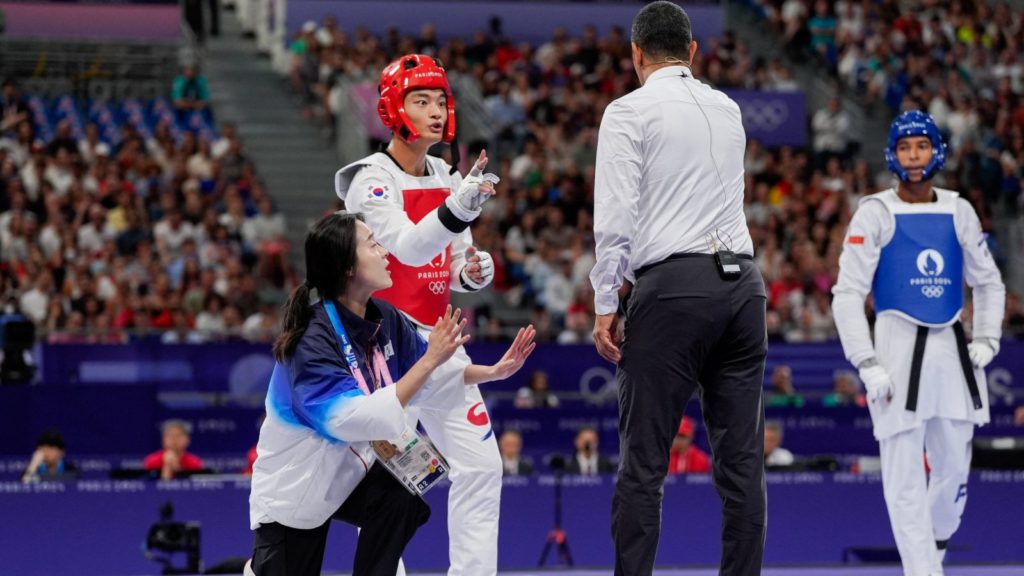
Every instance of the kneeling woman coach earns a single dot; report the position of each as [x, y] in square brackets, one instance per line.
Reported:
[331, 394]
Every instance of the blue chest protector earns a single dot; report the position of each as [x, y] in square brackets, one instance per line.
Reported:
[920, 271]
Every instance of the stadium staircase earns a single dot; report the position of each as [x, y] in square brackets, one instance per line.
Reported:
[293, 160]
[870, 128]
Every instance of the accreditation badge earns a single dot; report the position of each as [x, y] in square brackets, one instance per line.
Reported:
[413, 460]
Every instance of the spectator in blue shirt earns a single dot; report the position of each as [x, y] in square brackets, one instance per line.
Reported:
[48, 461]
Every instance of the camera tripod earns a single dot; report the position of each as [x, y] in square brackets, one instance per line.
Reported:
[557, 536]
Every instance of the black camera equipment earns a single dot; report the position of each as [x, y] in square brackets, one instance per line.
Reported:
[168, 537]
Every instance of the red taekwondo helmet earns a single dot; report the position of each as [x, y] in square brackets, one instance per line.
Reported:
[412, 72]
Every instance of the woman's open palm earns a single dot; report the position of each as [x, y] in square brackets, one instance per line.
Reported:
[517, 353]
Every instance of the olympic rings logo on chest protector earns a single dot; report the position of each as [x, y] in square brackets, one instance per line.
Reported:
[437, 287]
[932, 291]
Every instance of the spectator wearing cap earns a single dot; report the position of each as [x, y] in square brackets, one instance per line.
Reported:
[685, 458]
[48, 461]
[174, 460]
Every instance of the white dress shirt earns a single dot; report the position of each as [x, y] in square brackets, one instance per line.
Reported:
[669, 174]
[588, 465]
[779, 457]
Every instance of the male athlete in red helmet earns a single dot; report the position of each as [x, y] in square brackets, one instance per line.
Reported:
[419, 208]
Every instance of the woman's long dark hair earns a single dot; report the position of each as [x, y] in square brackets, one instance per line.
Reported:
[330, 257]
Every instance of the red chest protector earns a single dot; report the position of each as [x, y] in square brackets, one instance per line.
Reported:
[421, 291]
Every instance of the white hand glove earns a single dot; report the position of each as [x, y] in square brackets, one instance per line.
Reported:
[486, 269]
[877, 382]
[476, 188]
[981, 352]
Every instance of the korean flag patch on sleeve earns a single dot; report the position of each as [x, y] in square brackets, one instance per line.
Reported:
[378, 191]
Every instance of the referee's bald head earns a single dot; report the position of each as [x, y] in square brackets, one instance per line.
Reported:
[662, 30]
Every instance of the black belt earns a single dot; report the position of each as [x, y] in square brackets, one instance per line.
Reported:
[681, 256]
[965, 364]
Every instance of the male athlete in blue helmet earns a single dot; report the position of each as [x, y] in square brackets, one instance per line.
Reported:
[912, 247]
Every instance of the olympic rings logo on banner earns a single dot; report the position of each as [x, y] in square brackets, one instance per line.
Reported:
[436, 287]
[766, 115]
[932, 291]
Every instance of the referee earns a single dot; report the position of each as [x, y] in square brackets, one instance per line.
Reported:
[668, 206]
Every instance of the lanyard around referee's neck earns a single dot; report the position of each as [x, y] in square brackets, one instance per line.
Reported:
[380, 367]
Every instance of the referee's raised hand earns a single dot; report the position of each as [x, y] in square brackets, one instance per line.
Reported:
[607, 338]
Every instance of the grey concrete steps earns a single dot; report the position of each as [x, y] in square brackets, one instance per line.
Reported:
[290, 153]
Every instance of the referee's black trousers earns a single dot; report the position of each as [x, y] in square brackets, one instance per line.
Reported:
[687, 329]
[387, 514]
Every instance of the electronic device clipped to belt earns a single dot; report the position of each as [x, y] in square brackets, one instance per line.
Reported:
[726, 262]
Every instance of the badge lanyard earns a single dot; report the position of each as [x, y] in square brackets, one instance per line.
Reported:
[411, 458]
[380, 367]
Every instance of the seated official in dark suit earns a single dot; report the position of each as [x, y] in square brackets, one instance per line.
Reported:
[588, 461]
[511, 446]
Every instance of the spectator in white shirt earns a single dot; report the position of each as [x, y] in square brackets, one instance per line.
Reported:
[210, 322]
[558, 291]
[265, 226]
[90, 147]
[774, 454]
[831, 128]
[94, 234]
[35, 302]
[171, 232]
[228, 133]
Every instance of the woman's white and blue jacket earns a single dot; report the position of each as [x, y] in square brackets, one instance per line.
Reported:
[313, 448]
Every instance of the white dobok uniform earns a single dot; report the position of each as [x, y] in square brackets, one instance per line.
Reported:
[914, 259]
[426, 258]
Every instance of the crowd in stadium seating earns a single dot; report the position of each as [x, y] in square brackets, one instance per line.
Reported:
[130, 220]
[961, 61]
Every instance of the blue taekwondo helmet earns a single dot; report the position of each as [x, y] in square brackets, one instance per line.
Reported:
[915, 123]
